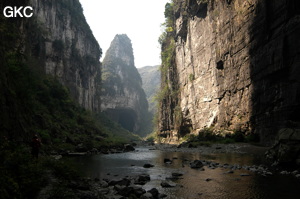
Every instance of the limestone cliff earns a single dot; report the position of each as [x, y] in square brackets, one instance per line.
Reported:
[67, 48]
[122, 96]
[231, 65]
[151, 82]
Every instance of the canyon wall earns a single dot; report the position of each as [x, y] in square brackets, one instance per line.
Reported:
[233, 66]
[64, 42]
[151, 82]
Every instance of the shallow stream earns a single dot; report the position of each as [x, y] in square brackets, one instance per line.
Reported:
[195, 183]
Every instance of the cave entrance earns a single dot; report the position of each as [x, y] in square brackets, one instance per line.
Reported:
[125, 117]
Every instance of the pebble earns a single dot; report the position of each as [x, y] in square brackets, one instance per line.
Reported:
[148, 165]
[166, 184]
[244, 174]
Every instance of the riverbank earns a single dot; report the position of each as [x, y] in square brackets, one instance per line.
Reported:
[217, 148]
[168, 171]
[179, 172]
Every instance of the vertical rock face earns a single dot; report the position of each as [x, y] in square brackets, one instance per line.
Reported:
[122, 96]
[68, 49]
[236, 67]
[151, 81]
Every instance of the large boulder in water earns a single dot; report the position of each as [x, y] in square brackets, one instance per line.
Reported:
[128, 147]
[286, 150]
[196, 164]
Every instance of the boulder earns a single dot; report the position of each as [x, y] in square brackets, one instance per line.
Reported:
[287, 148]
[138, 191]
[122, 182]
[147, 165]
[167, 161]
[154, 192]
[128, 147]
[166, 184]
[142, 179]
[196, 164]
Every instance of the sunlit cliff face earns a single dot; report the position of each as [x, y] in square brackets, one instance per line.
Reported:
[234, 67]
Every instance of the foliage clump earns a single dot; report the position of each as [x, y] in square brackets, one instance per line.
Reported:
[169, 95]
[207, 137]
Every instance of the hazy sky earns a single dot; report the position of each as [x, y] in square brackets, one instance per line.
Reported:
[139, 19]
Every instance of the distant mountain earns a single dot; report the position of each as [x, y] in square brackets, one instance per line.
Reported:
[123, 98]
[151, 82]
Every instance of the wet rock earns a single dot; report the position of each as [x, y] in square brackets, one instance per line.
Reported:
[231, 171]
[123, 182]
[177, 174]
[286, 150]
[138, 191]
[81, 148]
[167, 161]
[93, 151]
[56, 157]
[244, 174]
[79, 185]
[142, 179]
[253, 169]
[87, 195]
[104, 184]
[161, 195]
[196, 164]
[154, 192]
[146, 196]
[123, 190]
[165, 184]
[104, 191]
[295, 172]
[284, 172]
[268, 173]
[128, 147]
[148, 165]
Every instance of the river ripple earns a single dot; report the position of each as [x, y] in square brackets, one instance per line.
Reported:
[210, 183]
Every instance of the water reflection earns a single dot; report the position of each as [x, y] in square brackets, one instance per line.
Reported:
[210, 183]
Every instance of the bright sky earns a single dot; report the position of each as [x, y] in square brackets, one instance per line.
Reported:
[139, 19]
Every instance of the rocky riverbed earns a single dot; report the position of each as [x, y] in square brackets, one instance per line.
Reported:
[177, 172]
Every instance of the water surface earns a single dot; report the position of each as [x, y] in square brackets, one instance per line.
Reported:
[210, 183]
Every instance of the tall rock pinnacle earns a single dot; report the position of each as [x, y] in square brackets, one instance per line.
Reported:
[123, 98]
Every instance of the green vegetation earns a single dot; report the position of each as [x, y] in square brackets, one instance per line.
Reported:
[24, 177]
[34, 103]
[151, 83]
[178, 116]
[207, 137]
[48, 110]
[191, 77]
[169, 94]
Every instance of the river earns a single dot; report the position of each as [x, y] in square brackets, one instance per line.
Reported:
[195, 183]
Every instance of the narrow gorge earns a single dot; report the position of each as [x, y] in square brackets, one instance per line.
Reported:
[218, 118]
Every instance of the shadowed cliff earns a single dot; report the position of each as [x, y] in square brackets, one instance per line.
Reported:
[151, 84]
